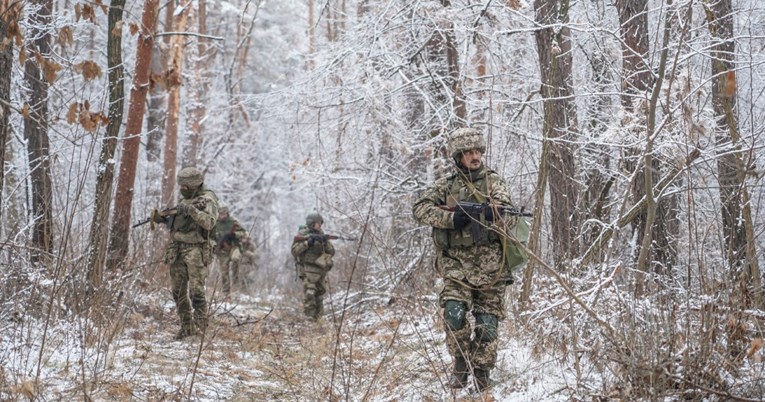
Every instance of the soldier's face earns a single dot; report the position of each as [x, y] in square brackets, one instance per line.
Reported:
[187, 191]
[317, 225]
[471, 159]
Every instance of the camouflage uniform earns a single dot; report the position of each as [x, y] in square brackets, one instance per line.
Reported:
[306, 253]
[472, 268]
[190, 250]
[229, 234]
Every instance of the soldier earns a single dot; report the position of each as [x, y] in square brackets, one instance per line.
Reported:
[470, 259]
[190, 250]
[313, 258]
[229, 235]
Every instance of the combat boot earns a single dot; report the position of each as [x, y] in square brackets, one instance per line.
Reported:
[200, 319]
[185, 331]
[459, 377]
[482, 380]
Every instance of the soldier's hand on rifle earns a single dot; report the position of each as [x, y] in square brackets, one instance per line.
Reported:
[460, 219]
[157, 217]
[183, 209]
[311, 241]
[488, 213]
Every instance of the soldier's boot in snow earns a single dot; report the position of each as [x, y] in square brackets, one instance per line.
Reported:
[459, 377]
[187, 329]
[200, 319]
[482, 380]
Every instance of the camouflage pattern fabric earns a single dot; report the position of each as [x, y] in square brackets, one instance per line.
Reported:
[312, 276]
[188, 256]
[229, 255]
[480, 354]
[470, 273]
[228, 264]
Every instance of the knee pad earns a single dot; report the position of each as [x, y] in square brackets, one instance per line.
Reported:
[454, 314]
[486, 327]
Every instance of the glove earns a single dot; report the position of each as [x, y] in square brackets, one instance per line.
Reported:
[311, 241]
[460, 219]
[228, 238]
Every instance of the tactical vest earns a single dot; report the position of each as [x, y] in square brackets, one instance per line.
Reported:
[313, 252]
[459, 191]
[185, 229]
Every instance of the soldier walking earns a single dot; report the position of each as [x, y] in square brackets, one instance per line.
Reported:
[469, 256]
[189, 252]
[229, 235]
[313, 257]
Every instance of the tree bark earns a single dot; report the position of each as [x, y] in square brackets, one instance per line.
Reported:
[199, 62]
[99, 229]
[560, 124]
[738, 230]
[119, 242]
[174, 81]
[36, 132]
[8, 17]
[637, 79]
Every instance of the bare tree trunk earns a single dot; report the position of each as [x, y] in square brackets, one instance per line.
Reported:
[637, 78]
[199, 61]
[155, 119]
[119, 242]
[311, 34]
[560, 124]
[36, 133]
[174, 105]
[738, 230]
[99, 229]
[157, 114]
[596, 159]
[8, 16]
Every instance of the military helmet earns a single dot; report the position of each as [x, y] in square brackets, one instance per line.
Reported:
[190, 176]
[312, 218]
[223, 209]
[465, 139]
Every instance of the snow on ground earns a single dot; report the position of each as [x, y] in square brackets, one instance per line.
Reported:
[264, 349]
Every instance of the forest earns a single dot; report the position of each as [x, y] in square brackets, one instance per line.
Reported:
[632, 130]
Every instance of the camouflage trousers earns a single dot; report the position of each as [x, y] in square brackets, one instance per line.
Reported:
[469, 341]
[188, 273]
[313, 289]
[228, 265]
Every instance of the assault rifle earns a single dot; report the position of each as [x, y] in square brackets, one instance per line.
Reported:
[321, 238]
[475, 210]
[167, 215]
[157, 216]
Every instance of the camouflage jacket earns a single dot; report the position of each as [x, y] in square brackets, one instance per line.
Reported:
[232, 226]
[306, 255]
[459, 258]
[196, 225]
